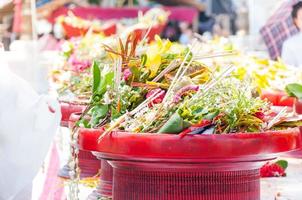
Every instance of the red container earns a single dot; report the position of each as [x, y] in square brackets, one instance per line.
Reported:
[67, 108]
[109, 29]
[155, 30]
[195, 167]
[278, 98]
[71, 31]
[282, 99]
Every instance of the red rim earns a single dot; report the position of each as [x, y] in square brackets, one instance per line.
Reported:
[247, 146]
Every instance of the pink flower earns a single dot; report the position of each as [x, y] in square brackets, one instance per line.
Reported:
[260, 115]
[183, 90]
[78, 65]
[127, 74]
[160, 97]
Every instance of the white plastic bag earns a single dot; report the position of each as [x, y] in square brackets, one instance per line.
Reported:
[28, 123]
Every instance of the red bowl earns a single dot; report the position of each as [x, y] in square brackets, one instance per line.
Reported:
[155, 30]
[71, 31]
[67, 109]
[278, 98]
[282, 99]
[162, 166]
[109, 29]
[74, 117]
[167, 147]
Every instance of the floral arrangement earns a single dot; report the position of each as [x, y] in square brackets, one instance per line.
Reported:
[143, 93]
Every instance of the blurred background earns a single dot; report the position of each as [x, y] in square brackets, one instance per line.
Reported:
[29, 28]
[209, 17]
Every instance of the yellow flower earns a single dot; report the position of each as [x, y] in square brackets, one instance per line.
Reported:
[240, 73]
[260, 61]
[154, 53]
[261, 81]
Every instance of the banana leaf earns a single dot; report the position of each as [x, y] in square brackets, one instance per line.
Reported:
[174, 125]
[294, 90]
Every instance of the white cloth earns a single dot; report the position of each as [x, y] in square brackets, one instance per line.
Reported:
[27, 127]
[292, 50]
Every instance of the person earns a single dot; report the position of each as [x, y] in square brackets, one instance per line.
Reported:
[224, 13]
[292, 47]
[28, 122]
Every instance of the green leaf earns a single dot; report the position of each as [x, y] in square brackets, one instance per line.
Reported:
[282, 163]
[143, 59]
[135, 72]
[83, 123]
[294, 90]
[106, 80]
[175, 124]
[197, 111]
[96, 76]
[114, 113]
[211, 115]
[98, 112]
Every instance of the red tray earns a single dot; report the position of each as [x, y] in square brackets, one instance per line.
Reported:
[67, 109]
[166, 167]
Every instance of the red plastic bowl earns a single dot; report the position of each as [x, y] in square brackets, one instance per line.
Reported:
[166, 167]
[278, 98]
[67, 109]
[257, 146]
[282, 99]
[155, 30]
[71, 31]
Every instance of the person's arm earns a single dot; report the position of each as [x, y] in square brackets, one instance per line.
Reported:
[287, 54]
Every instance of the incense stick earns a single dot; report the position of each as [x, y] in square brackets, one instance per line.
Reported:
[133, 112]
[168, 69]
[213, 82]
[177, 74]
[149, 29]
[277, 117]
[217, 54]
